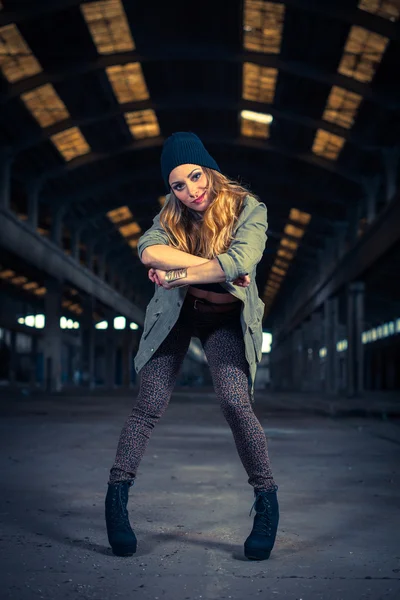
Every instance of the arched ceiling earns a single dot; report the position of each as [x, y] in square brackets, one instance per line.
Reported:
[89, 91]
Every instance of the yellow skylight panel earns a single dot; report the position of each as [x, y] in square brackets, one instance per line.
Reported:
[45, 105]
[128, 82]
[263, 25]
[143, 123]
[16, 59]
[292, 245]
[31, 285]
[299, 216]
[341, 107]
[281, 263]
[70, 143]
[275, 269]
[162, 200]
[276, 278]
[270, 292]
[255, 124]
[285, 254]
[133, 243]
[40, 291]
[19, 280]
[387, 9]
[130, 229]
[327, 144]
[362, 54]
[273, 284]
[108, 26]
[118, 215]
[7, 274]
[259, 83]
[293, 231]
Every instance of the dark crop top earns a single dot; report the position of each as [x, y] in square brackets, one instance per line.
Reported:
[210, 287]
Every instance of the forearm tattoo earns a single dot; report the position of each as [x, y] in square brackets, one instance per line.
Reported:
[175, 274]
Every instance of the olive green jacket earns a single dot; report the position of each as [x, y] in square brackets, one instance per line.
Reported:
[241, 258]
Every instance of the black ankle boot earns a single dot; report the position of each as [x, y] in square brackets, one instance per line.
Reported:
[261, 540]
[120, 534]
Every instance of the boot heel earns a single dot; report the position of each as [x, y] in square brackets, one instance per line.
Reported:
[121, 536]
[259, 544]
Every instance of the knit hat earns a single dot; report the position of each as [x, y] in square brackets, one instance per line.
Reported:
[183, 148]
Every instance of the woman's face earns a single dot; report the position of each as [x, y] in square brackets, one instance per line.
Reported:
[189, 184]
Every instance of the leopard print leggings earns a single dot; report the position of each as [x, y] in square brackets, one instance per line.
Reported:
[222, 339]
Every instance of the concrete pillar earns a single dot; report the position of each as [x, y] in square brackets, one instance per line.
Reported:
[110, 354]
[341, 232]
[354, 218]
[5, 180]
[33, 205]
[101, 261]
[316, 336]
[87, 343]
[33, 362]
[12, 374]
[355, 347]
[52, 336]
[75, 243]
[371, 198]
[391, 159]
[89, 253]
[127, 358]
[331, 324]
[297, 350]
[56, 226]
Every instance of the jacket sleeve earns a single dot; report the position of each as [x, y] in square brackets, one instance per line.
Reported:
[247, 248]
[155, 235]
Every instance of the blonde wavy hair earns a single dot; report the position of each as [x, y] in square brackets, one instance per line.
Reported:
[211, 235]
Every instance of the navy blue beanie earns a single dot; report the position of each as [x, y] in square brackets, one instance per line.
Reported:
[184, 147]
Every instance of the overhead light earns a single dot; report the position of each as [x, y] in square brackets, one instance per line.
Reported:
[250, 115]
[119, 323]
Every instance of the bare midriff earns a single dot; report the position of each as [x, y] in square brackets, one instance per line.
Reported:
[212, 296]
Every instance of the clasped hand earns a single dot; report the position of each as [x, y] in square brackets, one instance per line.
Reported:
[157, 276]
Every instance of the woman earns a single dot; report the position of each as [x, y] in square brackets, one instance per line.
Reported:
[202, 250]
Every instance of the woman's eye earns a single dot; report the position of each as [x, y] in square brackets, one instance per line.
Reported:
[178, 187]
[197, 175]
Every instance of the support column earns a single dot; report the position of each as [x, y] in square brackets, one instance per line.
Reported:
[315, 326]
[87, 343]
[12, 374]
[110, 354]
[33, 362]
[75, 244]
[331, 313]
[56, 226]
[127, 346]
[355, 347]
[89, 253]
[5, 180]
[52, 336]
[33, 205]
[371, 194]
[391, 161]
[101, 261]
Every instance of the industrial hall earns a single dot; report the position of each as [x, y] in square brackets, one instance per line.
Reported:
[200, 299]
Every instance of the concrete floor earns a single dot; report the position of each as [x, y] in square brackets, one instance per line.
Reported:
[339, 500]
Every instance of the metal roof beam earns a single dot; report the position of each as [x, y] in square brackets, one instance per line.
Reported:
[382, 235]
[192, 102]
[241, 142]
[350, 15]
[86, 192]
[201, 53]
